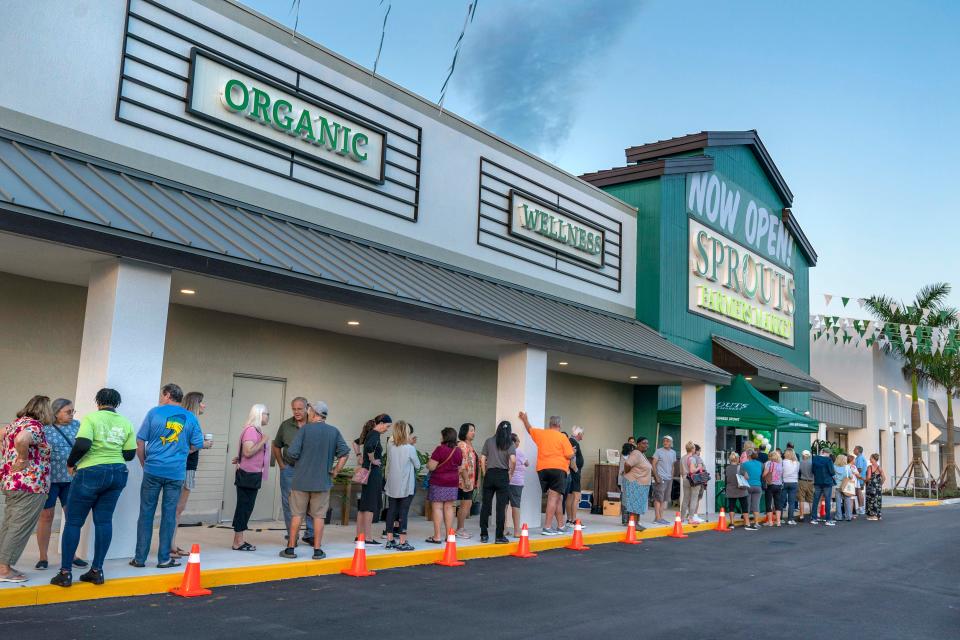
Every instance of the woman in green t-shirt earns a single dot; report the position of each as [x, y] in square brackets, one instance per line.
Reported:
[105, 443]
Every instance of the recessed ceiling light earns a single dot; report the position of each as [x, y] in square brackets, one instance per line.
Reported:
[353, 323]
[188, 292]
[748, 378]
[634, 377]
[783, 386]
[562, 364]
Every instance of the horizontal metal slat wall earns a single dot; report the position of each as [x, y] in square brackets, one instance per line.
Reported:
[493, 227]
[152, 94]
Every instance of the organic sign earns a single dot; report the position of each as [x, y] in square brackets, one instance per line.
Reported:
[544, 225]
[734, 285]
[242, 101]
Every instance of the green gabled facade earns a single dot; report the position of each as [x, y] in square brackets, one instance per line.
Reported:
[658, 182]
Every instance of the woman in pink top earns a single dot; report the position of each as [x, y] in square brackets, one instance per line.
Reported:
[251, 472]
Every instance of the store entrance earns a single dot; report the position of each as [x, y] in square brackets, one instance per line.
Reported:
[249, 390]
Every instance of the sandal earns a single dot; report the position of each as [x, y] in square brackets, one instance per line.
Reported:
[13, 577]
[179, 552]
[432, 540]
[43, 564]
[246, 546]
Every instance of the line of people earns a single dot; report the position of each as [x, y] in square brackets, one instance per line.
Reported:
[800, 487]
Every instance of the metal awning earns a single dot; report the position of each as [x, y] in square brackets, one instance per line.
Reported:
[737, 358]
[836, 412]
[57, 194]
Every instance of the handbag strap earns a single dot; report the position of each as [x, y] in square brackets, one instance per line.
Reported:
[65, 438]
[448, 458]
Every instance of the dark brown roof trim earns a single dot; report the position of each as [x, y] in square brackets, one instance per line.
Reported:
[652, 169]
[790, 221]
[705, 139]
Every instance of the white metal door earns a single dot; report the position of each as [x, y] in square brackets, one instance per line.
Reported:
[249, 390]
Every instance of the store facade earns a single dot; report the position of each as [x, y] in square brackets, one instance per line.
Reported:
[249, 215]
[722, 270]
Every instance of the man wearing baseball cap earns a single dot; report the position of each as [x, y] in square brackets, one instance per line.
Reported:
[664, 459]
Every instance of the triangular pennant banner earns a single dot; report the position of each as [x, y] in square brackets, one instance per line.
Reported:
[844, 300]
[827, 298]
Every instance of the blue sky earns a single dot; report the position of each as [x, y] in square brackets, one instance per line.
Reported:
[856, 102]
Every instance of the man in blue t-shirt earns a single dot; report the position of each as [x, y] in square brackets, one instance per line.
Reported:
[169, 434]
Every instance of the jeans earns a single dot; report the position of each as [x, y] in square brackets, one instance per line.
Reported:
[150, 490]
[397, 511]
[496, 482]
[286, 481]
[96, 489]
[844, 506]
[790, 495]
[824, 490]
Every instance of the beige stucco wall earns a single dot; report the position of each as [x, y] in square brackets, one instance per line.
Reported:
[604, 410]
[41, 326]
[358, 377]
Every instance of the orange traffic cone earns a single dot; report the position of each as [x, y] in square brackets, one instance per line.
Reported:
[722, 522]
[677, 528]
[631, 537]
[523, 548]
[577, 543]
[358, 568]
[190, 585]
[449, 558]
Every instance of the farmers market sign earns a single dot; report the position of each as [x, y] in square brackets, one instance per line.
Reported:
[250, 104]
[543, 224]
[731, 284]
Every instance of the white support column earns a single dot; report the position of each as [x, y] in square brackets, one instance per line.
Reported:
[522, 386]
[124, 329]
[698, 423]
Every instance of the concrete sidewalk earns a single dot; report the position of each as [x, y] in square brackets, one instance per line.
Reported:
[227, 566]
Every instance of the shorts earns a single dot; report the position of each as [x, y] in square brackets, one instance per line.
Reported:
[516, 490]
[442, 494]
[804, 491]
[190, 481]
[754, 493]
[464, 495]
[58, 490]
[573, 486]
[314, 503]
[661, 490]
[552, 480]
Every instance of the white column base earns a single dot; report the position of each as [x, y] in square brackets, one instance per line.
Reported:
[698, 423]
[124, 330]
[522, 386]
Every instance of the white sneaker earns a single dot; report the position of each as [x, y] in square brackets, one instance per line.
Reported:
[546, 531]
[696, 520]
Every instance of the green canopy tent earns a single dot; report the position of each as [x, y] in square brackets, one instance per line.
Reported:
[741, 406]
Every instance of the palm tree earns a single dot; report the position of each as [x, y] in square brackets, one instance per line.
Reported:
[944, 370]
[931, 297]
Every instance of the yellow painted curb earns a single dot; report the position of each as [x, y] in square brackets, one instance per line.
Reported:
[928, 503]
[153, 584]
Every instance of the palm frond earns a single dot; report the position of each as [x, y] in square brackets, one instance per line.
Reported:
[932, 296]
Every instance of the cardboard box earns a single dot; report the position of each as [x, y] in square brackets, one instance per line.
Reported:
[611, 508]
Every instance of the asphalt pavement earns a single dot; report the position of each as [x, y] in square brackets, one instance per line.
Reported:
[899, 578]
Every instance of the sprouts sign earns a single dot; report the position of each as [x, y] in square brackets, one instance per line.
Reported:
[538, 222]
[245, 102]
[734, 285]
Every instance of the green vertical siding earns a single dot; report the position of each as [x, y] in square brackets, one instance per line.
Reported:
[645, 195]
[663, 272]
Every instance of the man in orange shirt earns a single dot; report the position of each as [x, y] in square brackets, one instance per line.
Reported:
[554, 453]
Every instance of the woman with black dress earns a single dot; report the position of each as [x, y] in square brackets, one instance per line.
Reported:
[372, 460]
